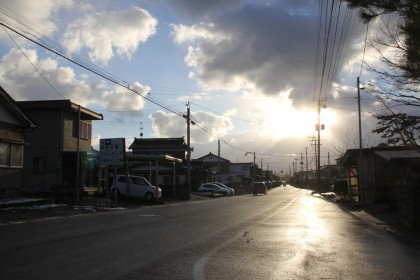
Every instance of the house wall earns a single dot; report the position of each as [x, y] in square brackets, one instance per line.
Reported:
[43, 154]
[369, 179]
[380, 178]
[56, 134]
[245, 170]
[408, 197]
[387, 179]
[70, 134]
[11, 177]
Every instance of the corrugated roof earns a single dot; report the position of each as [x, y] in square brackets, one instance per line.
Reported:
[404, 154]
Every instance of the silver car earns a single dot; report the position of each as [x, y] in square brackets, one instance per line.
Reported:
[137, 186]
[213, 188]
[231, 191]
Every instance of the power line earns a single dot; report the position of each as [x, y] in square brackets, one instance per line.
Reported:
[58, 50]
[364, 49]
[24, 54]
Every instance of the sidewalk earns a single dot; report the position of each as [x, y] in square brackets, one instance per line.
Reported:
[384, 216]
[25, 209]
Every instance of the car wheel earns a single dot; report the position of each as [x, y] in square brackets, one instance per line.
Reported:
[148, 196]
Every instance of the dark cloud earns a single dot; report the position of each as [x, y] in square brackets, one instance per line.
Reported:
[268, 46]
[196, 9]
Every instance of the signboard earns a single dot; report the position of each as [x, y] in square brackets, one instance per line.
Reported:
[112, 151]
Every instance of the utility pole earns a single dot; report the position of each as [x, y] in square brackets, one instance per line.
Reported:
[218, 160]
[360, 169]
[313, 142]
[318, 170]
[188, 153]
[301, 162]
[77, 186]
[306, 176]
[253, 167]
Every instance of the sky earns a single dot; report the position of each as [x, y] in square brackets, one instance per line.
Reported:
[251, 71]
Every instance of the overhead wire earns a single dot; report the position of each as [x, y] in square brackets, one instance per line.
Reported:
[334, 28]
[36, 68]
[364, 49]
[16, 25]
[60, 51]
[19, 27]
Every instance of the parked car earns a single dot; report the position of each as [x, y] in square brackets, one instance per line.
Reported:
[259, 187]
[137, 186]
[213, 188]
[231, 191]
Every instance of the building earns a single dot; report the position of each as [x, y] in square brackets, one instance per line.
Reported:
[237, 175]
[162, 161]
[13, 125]
[389, 175]
[57, 155]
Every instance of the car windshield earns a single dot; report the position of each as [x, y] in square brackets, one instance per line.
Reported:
[139, 181]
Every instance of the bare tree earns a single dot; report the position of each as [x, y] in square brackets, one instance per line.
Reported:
[349, 140]
[408, 13]
[398, 83]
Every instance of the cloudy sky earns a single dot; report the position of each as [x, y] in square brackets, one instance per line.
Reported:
[252, 71]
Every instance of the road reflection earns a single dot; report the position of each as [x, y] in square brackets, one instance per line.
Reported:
[311, 229]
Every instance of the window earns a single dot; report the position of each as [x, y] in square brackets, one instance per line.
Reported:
[17, 155]
[85, 130]
[39, 165]
[4, 154]
[11, 155]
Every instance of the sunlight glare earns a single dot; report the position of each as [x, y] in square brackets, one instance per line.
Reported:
[290, 122]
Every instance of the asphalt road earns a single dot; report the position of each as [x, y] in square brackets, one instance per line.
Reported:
[287, 234]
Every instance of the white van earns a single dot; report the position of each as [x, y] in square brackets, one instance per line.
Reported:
[137, 186]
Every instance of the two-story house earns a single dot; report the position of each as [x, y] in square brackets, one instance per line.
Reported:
[62, 138]
[13, 124]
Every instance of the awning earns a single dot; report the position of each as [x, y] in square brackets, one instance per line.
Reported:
[152, 157]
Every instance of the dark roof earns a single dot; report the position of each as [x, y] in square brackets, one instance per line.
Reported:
[63, 104]
[399, 155]
[351, 155]
[158, 144]
[10, 104]
[213, 155]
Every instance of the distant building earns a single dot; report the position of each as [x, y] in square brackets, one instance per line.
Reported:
[162, 161]
[175, 147]
[224, 171]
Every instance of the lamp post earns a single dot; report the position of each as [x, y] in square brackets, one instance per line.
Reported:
[360, 169]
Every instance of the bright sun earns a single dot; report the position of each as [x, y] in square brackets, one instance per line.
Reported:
[297, 123]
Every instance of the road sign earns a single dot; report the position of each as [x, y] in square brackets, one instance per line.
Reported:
[112, 151]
